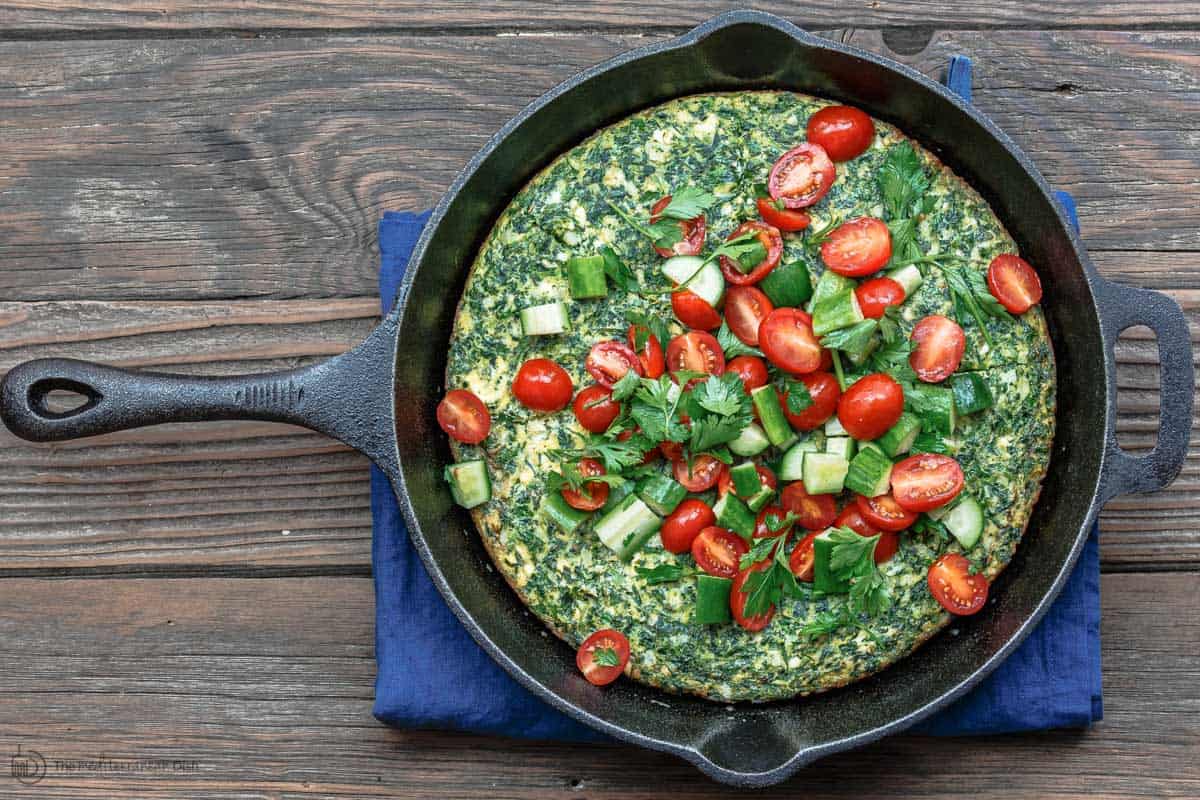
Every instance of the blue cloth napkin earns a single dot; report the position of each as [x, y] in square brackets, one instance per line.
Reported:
[433, 675]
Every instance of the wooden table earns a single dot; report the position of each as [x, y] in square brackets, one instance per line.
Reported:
[194, 186]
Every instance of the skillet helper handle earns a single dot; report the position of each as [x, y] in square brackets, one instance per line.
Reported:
[1120, 308]
[348, 397]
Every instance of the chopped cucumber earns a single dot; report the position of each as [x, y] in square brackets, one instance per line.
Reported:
[829, 284]
[824, 473]
[770, 412]
[900, 437]
[870, 472]
[745, 479]
[708, 283]
[835, 312]
[562, 514]
[965, 521]
[759, 499]
[971, 393]
[661, 493]
[585, 277]
[545, 320]
[469, 483]
[750, 442]
[735, 515]
[791, 466]
[934, 405]
[629, 520]
[833, 427]
[908, 276]
[637, 539]
[788, 285]
[712, 600]
[859, 357]
[840, 446]
[823, 579]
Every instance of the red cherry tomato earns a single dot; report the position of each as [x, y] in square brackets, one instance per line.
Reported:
[542, 385]
[802, 558]
[693, 231]
[885, 513]
[765, 478]
[843, 131]
[871, 406]
[857, 247]
[593, 494]
[802, 176]
[816, 511]
[595, 409]
[750, 369]
[1013, 282]
[826, 358]
[745, 309]
[874, 296]
[737, 601]
[603, 646]
[672, 451]
[466, 419]
[695, 351]
[654, 363]
[608, 362]
[786, 337]
[926, 481]
[762, 531]
[939, 344]
[824, 390]
[769, 238]
[681, 527]
[852, 518]
[699, 476]
[782, 218]
[718, 551]
[952, 584]
[694, 311]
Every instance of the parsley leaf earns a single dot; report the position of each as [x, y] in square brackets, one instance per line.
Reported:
[721, 394]
[617, 271]
[624, 388]
[983, 295]
[732, 346]
[927, 524]
[902, 181]
[854, 340]
[767, 586]
[798, 397]
[892, 358]
[665, 573]
[619, 456]
[852, 559]
[655, 409]
[720, 410]
[827, 622]
[568, 476]
[606, 657]
[965, 298]
[736, 247]
[687, 203]
[644, 323]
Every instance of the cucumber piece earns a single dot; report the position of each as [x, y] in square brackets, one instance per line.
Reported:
[829, 284]
[770, 412]
[750, 259]
[628, 520]
[469, 483]
[934, 405]
[791, 466]
[900, 437]
[823, 580]
[788, 285]
[712, 600]
[835, 312]
[870, 472]
[750, 442]
[759, 500]
[735, 515]
[585, 277]
[965, 521]
[824, 473]
[562, 514]
[909, 277]
[971, 393]
[545, 320]
[840, 446]
[616, 494]
[859, 357]
[745, 479]
[637, 539]
[661, 493]
[833, 427]
[709, 283]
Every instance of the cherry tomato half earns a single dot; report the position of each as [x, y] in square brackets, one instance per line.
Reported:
[718, 551]
[700, 475]
[874, 296]
[654, 363]
[762, 530]
[816, 511]
[852, 518]
[885, 513]
[593, 494]
[694, 311]
[952, 584]
[769, 238]
[595, 409]
[786, 337]
[802, 558]
[783, 218]
[871, 406]
[939, 343]
[926, 481]
[750, 369]
[597, 653]
[737, 601]
[693, 231]
[824, 390]
[542, 385]
[745, 309]
[1013, 282]
[681, 527]
[695, 351]
[608, 362]
[843, 131]
[766, 478]
[802, 176]
[465, 418]
[857, 247]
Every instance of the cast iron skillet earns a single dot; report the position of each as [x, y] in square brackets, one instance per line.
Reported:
[380, 397]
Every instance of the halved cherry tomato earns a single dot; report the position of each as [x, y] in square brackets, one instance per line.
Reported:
[694, 311]
[595, 409]
[762, 531]
[737, 601]
[718, 551]
[802, 558]
[826, 357]
[466, 419]
[874, 296]
[845, 132]
[769, 238]
[765, 478]
[926, 481]
[786, 337]
[692, 229]
[802, 176]
[952, 584]
[592, 494]
[886, 547]
[871, 406]
[608, 362]
[605, 645]
[1013, 282]
[857, 247]
[672, 451]
[885, 513]
[700, 475]
[542, 385]
[824, 390]
[745, 309]
[939, 348]
[695, 351]
[783, 218]
[852, 518]
[654, 363]
[816, 511]
[681, 527]
[750, 369]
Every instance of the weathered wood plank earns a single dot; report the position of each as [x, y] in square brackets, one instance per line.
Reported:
[267, 684]
[232, 168]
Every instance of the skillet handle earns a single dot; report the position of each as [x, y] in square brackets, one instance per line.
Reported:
[349, 397]
[1120, 308]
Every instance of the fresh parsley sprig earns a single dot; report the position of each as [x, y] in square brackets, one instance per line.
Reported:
[766, 587]
[732, 346]
[852, 559]
[665, 573]
[720, 410]
[644, 323]
[617, 270]
[798, 397]
[833, 620]
[665, 231]
[854, 340]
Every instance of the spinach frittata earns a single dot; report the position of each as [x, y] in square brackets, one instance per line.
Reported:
[594, 202]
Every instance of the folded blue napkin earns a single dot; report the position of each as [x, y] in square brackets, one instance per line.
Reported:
[433, 675]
